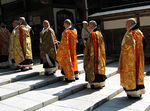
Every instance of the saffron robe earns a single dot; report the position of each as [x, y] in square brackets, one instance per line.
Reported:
[48, 46]
[66, 53]
[131, 62]
[94, 58]
[22, 46]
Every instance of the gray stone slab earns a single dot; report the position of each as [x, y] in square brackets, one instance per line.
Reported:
[16, 75]
[111, 109]
[54, 92]
[74, 104]
[20, 88]
[22, 103]
[88, 98]
[4, 81]
[57, 108]
[8, 108]
[122, 103]
[6, 93]
[26, 85]
[45, 99]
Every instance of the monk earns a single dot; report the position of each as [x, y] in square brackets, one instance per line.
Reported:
[95, 58]
[85, 32]
[12, 43]
[66, 53]
[131, 62]
[22, 46]
[48, 43]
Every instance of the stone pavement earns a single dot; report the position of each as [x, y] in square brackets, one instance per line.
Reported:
[31, 90]
[122, 103]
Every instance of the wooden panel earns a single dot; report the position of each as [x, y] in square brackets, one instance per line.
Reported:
[7, 1]
[145, 21]
[114, 24]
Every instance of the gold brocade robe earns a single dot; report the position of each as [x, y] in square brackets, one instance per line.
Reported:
[66, 53]
[48, 44]
[4, 41]
[89, 57]
[22, 46]
[11, 44]
[128, 60]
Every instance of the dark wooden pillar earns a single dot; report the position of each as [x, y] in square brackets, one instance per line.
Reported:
[138, 18]
[102, 24]
[26, 9]
[50, 12]
[85, 9]
[1, 12]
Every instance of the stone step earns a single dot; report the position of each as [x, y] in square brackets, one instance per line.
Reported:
[9, 76]
[26, 85]
[8, 90]
[41, 97]
[87, 99]
[122, 103]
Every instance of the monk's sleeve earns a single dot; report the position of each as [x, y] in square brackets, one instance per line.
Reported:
[127, 52]
[87, 54]
[102, 47]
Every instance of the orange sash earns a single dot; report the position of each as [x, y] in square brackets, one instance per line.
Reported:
[71, 42]
[21, 39]
[95, 51]
[137, 55]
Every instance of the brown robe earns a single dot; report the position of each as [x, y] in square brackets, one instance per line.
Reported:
[48, 45]
[92, 65]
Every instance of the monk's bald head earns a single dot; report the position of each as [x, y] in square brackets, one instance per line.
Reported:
[46, 24]
[130, 22]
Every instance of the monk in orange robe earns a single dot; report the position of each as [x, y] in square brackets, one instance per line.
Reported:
[66, 53]
[131, 62]
[95, 58]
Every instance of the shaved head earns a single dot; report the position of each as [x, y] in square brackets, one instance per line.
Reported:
[130, 22]
[46, 24]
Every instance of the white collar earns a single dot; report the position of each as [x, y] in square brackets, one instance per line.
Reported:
[69, 27]
[44, 30]
[16, 26]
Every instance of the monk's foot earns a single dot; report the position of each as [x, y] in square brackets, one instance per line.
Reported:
[30, 68]
[96, 87]
[49, 73]
[134, 97]
[69, 80]
[25, 68]
[77, 77]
